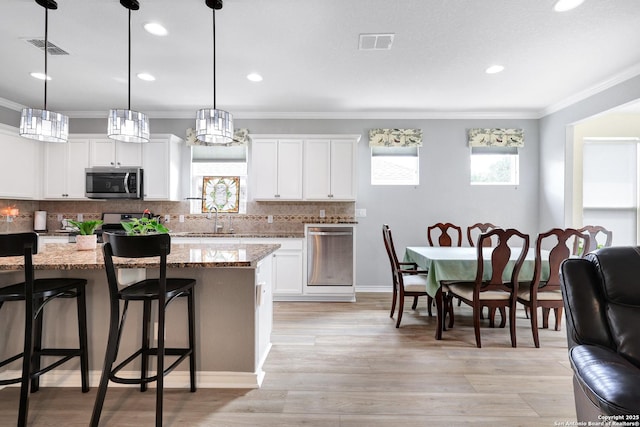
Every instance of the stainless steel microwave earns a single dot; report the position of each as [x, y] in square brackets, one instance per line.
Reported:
[114, 183]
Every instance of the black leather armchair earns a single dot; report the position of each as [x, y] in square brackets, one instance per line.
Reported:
[602, 303]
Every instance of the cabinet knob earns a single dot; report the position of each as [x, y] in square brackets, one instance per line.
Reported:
[277, 195]
[111, 163]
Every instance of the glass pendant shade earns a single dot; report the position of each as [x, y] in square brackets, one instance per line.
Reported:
[44, 125]
[214, 126]
[128, 126]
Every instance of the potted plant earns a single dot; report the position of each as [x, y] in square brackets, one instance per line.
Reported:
[86, 240]
[145, 225]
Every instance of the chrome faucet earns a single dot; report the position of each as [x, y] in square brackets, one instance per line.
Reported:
[216, 227]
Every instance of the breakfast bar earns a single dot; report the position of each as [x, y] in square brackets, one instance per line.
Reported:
[233, 296]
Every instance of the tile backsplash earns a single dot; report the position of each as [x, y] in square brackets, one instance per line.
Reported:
[288, 217]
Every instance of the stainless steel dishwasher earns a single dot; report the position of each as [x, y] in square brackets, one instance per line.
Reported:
[330, 256]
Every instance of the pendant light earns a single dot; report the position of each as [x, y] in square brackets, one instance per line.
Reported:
[44, 125]
[214, 126]
[128, 125]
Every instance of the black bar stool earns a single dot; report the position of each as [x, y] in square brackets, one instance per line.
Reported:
[36, 293]
[163, 290]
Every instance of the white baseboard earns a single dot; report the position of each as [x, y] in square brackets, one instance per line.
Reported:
[176, 379]
[380, 289]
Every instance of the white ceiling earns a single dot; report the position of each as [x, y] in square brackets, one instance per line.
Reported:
[308, 53]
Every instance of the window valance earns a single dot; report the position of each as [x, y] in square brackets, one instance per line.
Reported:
[481, 137]
[240, 137]
[395, 138]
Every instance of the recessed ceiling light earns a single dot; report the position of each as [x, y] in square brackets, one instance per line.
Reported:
[564, 5]
[254, 77]
[40, 76]
[146, 77]
[156, 29]
[494, 69]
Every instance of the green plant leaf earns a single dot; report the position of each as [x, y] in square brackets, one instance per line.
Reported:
[86, 227]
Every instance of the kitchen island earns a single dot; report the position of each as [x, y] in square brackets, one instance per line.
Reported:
[233, 296]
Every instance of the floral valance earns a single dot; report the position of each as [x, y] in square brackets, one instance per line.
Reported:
[395, 138]
[479, 137]
[240, 137]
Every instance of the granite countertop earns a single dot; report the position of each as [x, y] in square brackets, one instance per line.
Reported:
[65, 256]
[195, 234]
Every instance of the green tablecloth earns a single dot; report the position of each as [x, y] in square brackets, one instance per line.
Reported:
[461, 263]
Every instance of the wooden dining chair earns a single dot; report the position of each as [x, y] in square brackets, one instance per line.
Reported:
[493, 292]
[447, 234]
[597, 234]
[546, 294]
[408, 281]
[474, 231]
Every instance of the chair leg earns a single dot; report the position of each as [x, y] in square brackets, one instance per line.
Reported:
[393, 301]
[503, 317]
[429, 305]
[545, 317]
[476, 324]
[512, 324]
[192, 339]
[450, 310]
[558, 313]
[146, 326]
[23, 410]
[81, 302]
[492, 316]
[534, 327]
[109, 360]
[36, 357]
[160, 362]
[400, 309]
[415, 303]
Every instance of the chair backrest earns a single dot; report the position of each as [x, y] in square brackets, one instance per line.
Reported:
[479, 228]
[602, 300]
[597, 234]
[446, 231]
[559, 252]
[25, 245]
[140, 246]
[507, 240]
[391, 252]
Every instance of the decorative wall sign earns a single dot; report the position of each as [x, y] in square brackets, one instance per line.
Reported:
[482, 137]
[223, 192]
[395, 138]
[240, 137]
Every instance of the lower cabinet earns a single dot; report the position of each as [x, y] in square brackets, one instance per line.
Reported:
[287, 266]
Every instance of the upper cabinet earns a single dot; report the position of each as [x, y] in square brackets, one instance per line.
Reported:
[109, 152]
[304, 167]
[161, 158]
[20, 165]
[330, 172]
[64, 165]
[276, 169]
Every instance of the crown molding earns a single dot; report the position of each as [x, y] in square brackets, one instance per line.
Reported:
[625, 75]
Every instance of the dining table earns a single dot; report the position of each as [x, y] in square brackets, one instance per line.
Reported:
[460, 263]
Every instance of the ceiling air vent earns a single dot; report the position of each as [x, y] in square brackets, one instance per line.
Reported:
[52, 49]
[376, 41]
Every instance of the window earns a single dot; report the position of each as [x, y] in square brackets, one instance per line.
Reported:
[395, 166]
[610, 177]
[217, 161]
[494, 166]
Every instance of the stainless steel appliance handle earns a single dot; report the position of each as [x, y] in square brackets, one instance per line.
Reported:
[330, 233]
[126, 182]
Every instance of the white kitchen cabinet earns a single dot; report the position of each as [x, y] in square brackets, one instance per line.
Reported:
[276, 169]
[19, 165]
[64, 169]
[287, 266]
[109, 152]
[161, 158]
[330, 169]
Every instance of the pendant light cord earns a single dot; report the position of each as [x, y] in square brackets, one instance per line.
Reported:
[214, 57]
[46, 48]
[129, 69]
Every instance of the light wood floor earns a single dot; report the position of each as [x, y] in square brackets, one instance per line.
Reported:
[345, 364]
